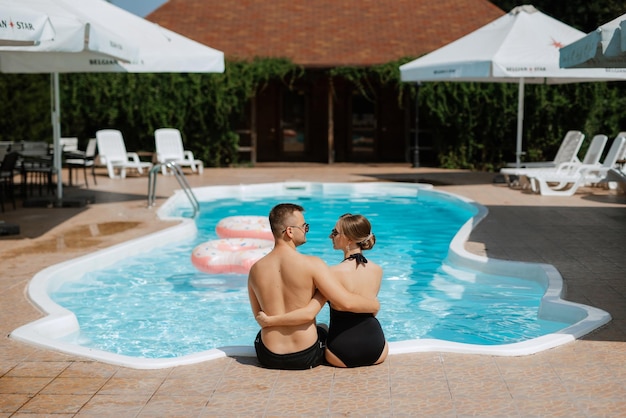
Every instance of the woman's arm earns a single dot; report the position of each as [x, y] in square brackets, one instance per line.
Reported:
[296, 317]
[339, 297]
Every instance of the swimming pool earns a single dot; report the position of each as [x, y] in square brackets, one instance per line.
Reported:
[452, 278]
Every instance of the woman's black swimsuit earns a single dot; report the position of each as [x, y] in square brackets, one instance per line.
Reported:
[357, 339]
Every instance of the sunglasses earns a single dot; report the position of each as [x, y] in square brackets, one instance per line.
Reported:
[304, 228]
[334, 233]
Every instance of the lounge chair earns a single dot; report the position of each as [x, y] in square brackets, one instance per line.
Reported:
[568, 182]
[617, 177]
[112, 153]
[567, 153]
[169, 147]
[592, 157]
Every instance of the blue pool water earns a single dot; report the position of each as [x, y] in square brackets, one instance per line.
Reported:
[157, 305]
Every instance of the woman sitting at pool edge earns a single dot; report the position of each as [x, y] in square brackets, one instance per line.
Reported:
[354, 339]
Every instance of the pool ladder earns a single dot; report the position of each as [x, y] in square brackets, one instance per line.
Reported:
[182, 181]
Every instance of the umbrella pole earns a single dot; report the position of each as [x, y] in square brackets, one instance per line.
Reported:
[416, 142]
[520, 123]
[56, 133]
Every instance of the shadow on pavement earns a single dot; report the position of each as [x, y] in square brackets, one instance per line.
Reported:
[37, 215]
[437, 178]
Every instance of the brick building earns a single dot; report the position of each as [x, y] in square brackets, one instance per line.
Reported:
[324, 119]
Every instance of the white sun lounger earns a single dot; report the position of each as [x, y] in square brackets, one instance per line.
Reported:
[169, 147]
[567, 183]
[112, 153]
[592, 157]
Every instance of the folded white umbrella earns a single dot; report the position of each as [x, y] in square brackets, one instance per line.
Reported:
[605, 47]
[23, 26]
[96, 36]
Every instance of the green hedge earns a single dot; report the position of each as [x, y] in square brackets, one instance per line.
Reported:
[475, 124]
[205, 107]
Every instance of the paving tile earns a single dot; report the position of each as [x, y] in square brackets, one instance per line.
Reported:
[604, 408]
[64, 404]
[540, 373]
[554, 406]
[359, 404]
[123, 385]
[92, 369]
[53, 415]
[416, 385]
[536, 389]
[11, 402]
[38, 369]
[74, 385]
[476, 406]
[480, 389]
[251, 405]
[120, 406]
[24, 385]
[209, 369]
[126, 372]
[188, 387]
[424, 405]
[290, 405]
[597, 390]
[173, 406]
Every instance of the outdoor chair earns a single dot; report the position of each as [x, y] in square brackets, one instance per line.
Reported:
[36, 165]
[592, 157]
[69, 144]
[567, 183]
[567, 153]
[169, 147]
[5, 147]
[112, 152]
[83, 159]
[7, 174]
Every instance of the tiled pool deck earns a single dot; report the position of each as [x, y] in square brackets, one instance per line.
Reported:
[584, 236]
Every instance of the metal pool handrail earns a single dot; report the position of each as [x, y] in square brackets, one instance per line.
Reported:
[182, 180]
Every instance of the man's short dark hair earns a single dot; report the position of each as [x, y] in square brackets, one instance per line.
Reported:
[279, 213]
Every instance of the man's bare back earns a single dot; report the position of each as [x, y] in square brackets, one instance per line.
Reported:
[285, 280]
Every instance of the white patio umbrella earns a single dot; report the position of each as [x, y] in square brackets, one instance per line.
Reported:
[23, 26]
[603, 48]
[95, 36]
[521, 46]
[78, 27]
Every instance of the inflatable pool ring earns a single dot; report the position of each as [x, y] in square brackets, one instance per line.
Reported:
[229, 255]
[244, 227]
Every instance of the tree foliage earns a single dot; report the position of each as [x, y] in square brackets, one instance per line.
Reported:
[584, 15]
[475, 124]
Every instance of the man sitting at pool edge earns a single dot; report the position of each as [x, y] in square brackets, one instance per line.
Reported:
[285, 280]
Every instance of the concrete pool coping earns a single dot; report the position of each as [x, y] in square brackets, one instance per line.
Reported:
[46, 331]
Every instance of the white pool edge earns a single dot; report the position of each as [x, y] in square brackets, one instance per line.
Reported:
[60, 322]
